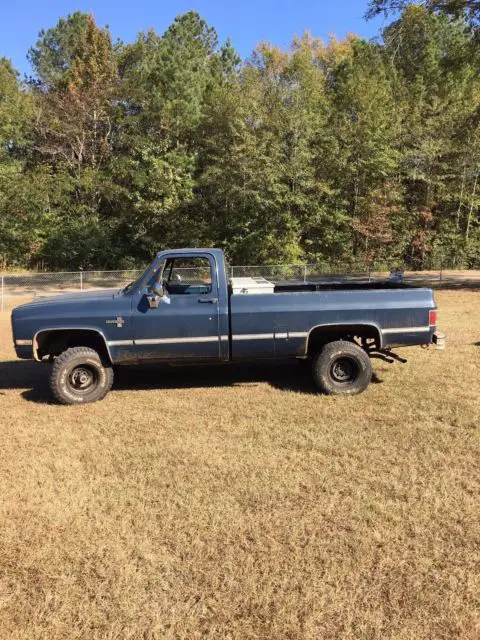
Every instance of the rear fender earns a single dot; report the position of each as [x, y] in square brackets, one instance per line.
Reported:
[335, 331]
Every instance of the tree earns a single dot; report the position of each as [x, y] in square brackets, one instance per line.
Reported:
[74, 124]
[455, 8]
[168, 76]
[362, 154]
[436, 87]
[52, 56]
[18, 214]
[168, 89]
[74, 97]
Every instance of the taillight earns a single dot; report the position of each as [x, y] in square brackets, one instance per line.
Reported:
[432, 318]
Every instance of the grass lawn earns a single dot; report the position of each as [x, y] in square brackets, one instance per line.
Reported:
[235, 503]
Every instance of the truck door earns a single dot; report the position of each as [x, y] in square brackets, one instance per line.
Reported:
[185, 325]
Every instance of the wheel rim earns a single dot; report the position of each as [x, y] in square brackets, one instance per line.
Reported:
[344, 370]
[83, 379]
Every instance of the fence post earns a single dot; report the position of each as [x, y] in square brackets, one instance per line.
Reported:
[231, 271]
[304, 273]
[3, 293]
[369, 271]
[441, 272]
[81, 280]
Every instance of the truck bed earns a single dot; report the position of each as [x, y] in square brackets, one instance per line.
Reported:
[279, 323]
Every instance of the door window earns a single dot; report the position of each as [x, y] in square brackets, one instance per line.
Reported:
[187, 276]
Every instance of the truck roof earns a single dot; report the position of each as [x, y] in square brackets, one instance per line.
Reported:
[217, 252]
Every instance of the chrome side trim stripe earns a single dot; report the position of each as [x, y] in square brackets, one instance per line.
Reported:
[24, 343]
[406, 330]
[197, 339]
[253, 336]
[177, 340]
[269, 336]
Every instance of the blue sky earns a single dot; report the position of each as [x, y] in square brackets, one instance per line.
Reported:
[246, 22]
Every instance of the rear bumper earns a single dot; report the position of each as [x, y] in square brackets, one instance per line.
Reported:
[439, 340]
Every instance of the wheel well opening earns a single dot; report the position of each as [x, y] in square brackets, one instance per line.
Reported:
[50, 344]
[362, 334]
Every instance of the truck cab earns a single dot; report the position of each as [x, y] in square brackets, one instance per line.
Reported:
[180, 308]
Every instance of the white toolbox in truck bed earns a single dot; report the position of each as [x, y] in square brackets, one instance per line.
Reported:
[252, 285]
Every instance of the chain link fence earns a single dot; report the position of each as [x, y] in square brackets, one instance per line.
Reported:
[17, 288]
[438, 276]
[279, 273]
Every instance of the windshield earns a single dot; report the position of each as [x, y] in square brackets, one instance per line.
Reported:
[146, 275]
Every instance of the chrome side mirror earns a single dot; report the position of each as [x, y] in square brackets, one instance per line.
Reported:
[157, 289]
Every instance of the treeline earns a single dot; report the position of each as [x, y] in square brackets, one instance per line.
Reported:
[345, 151]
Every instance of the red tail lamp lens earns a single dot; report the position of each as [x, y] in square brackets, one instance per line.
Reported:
[432, 318]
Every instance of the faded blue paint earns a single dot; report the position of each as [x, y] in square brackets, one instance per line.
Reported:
[262, 325]
[84, 310]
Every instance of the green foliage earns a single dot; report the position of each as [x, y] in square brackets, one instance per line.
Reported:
[56, 48]
[14, 109]
[339, 152]
[456, 8]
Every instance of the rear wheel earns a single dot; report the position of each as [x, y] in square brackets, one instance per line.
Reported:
[79, 376]
[341, 367]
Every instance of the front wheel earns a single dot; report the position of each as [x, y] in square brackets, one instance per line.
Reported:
[341, 367]
[79, 376]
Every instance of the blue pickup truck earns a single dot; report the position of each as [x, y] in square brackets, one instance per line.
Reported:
[185, 308]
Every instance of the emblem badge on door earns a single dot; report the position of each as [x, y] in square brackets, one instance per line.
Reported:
[119, 321]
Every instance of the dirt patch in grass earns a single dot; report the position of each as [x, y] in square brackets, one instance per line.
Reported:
[237, 503]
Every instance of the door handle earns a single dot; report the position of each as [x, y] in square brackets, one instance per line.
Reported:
[208, 300]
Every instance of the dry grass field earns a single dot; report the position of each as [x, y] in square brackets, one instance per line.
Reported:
[234, 503]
